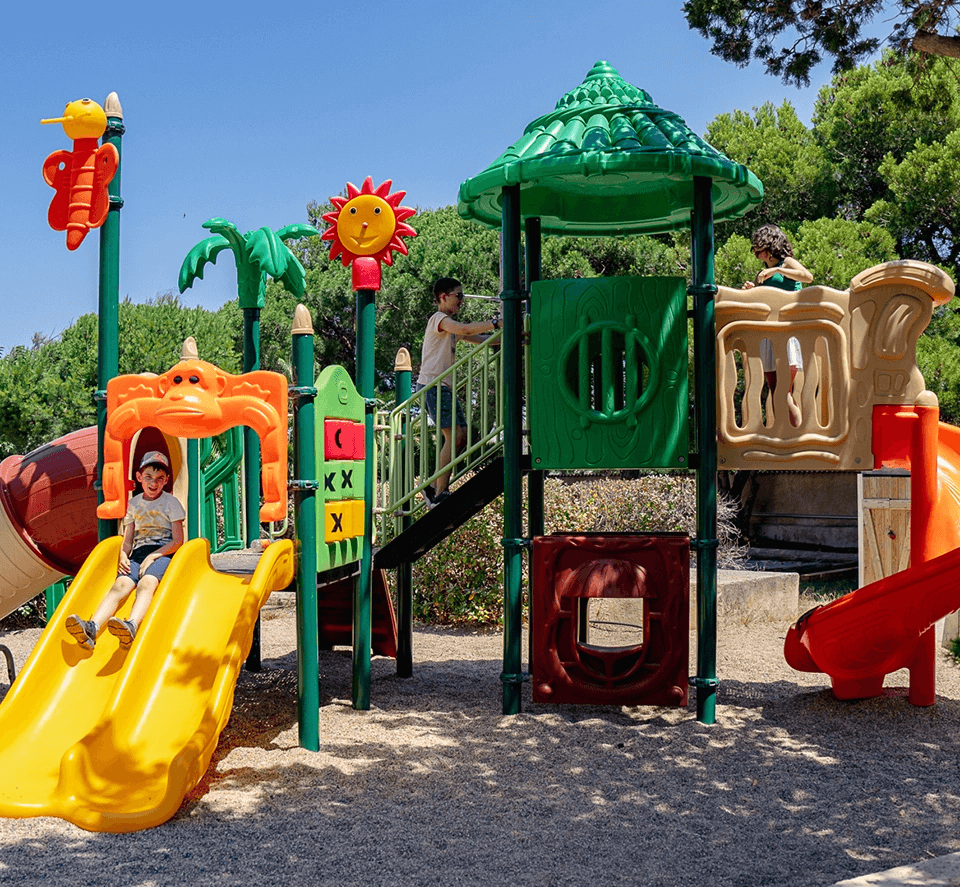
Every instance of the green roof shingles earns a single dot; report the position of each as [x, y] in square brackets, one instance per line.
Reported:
[608, 161]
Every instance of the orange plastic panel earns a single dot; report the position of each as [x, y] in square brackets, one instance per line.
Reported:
[196, 399]
[80, 178]
[568, 569]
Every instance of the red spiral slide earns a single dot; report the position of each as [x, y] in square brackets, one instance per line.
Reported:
[860, 638]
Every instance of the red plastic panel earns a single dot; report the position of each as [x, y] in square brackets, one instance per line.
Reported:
[335, 612]
[343, 440]
[569, 569]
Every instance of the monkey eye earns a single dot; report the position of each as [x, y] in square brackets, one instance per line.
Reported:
[194, 379]
[177, 380]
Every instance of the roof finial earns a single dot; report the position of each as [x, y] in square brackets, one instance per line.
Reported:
[602, 69]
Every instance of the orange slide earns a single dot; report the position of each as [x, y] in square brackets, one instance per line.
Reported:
[112, 740]
[888, 625]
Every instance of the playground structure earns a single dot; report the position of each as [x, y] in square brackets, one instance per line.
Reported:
[601, 384]
[863, 405]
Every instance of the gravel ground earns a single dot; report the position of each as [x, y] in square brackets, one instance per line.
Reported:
[434, 786]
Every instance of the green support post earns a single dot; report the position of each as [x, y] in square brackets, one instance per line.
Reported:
[512, 676]
[194, 530]
[305, 509]
[703, 290]
[535, 518]
[108, 320]
[251, 463]
[363, 589]
[52, 597]
[403, 384]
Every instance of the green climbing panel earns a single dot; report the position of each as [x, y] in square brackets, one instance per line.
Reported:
[609, 373]
[340, 464]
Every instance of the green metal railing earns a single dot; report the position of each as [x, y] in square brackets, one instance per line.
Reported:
[220, 486]
[408, 452]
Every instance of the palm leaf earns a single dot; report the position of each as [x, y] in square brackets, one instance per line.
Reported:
[267, 251]
[205, 251]
[296, 232]
[293, 277]
[228, 230]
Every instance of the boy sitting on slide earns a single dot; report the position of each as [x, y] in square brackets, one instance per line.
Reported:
[153, 531]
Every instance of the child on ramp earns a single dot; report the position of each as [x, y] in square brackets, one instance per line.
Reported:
[153, 531]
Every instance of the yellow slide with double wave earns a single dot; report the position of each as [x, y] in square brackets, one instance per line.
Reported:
[112, 740]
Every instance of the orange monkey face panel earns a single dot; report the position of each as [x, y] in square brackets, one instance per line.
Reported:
[196, 399]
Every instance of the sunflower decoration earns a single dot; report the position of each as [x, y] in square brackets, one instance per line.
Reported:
[366, 228]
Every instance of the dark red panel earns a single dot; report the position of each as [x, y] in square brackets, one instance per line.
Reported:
[569, 569]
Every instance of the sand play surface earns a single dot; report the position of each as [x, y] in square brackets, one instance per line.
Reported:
[434, 786]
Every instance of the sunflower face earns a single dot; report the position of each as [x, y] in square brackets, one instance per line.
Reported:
[366, 224]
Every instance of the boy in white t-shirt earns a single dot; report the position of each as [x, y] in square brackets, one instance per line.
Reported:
[152, 532]
[439, 354]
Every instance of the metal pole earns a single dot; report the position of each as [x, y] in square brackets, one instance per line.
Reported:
[108, 346]
[704, 291]
[363, 589]
[535, 516]
[193, 489]
[251, 454]
[305, 510]
[403, 374]
[512, 676]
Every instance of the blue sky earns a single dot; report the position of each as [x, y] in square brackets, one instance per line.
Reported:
[249, 111]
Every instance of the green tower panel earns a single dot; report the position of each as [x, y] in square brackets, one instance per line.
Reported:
[608, 384]
[340, 480]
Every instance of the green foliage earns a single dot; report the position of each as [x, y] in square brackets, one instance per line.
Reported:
[797, 180]
[835, 250]
[735, 263]
[791, 37]
[642, 256]
[878, 111]
[955, 648]
[925, 202]
[939, 362]
[47, 391]
[460, 582]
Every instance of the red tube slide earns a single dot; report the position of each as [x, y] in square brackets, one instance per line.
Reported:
[48, 515]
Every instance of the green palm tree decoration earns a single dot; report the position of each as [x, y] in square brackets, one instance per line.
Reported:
[258, 253]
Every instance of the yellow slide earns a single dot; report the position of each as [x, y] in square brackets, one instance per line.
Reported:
[113, 740]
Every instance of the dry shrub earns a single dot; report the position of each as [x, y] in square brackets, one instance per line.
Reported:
[460, 582]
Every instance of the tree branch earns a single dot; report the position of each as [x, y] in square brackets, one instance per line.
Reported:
[937, 44]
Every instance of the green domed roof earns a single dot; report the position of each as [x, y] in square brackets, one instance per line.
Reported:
[608, 161]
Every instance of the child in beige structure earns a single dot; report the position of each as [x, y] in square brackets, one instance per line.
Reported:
[783, 271]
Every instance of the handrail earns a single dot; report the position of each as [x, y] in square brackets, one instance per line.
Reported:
[407, 458]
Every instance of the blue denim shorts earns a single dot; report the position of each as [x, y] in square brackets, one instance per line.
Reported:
[446, 406]
[156, 569]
